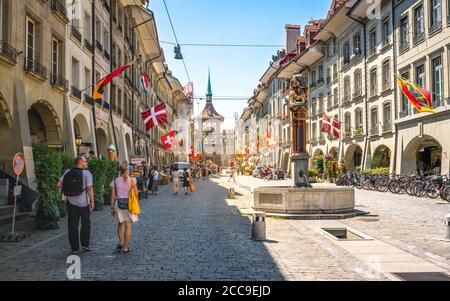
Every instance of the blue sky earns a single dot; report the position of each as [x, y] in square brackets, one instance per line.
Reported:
[234, 71]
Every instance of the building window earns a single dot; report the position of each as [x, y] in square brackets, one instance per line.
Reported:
[385, 27]
[335, 97]
[55, 56]
[31, 40]
[374, 120]
[386, 76]
[348, 121]
[419, 25]
[347, 88]
[358, 83]
[404, 33]
[435, 15]
[75, 73]
[373, 82]
[358, 119]
[420, 75]
[437, 81]
[346, 52]
[372, 40]
[387, 117]
[405, 106]
[357, 44]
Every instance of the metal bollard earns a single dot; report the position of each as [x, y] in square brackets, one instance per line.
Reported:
[259, 226]
[231, 194]
[447, 227]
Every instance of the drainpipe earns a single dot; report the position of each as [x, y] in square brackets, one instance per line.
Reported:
[93, 76]
[349, 14]
[394, 59]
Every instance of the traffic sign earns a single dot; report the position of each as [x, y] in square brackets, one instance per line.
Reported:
[18, 163]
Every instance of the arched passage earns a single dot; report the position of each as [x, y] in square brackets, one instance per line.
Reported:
[381, 157]
[421, 154]
[353, 157]
[44, 124]
[81, 130]
[102, 142]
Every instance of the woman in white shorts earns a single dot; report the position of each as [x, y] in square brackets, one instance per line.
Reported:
[119, 206]
[175, 180]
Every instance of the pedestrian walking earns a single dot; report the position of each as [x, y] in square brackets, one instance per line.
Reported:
[175, 180]
[77, 185]
[155, 176]
[121, 189]
[186, 181]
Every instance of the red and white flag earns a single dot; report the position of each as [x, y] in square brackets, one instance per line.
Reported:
[331, 126]
[188, 90]
[168, 140]
[155, 116]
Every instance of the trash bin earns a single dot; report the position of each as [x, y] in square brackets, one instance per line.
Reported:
[447, 227]
[259, 226]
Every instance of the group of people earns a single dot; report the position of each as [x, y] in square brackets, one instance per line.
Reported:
[77, 186]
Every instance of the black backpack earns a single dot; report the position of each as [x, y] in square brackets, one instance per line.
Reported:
[73, 182]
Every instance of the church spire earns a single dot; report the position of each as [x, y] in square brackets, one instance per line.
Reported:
[209, 93]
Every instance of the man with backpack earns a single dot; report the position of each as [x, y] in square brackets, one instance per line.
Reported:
[77, 186]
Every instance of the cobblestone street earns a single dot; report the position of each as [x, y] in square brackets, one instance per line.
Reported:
[203, 237]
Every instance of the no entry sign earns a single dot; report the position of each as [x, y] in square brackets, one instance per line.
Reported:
[18, 163]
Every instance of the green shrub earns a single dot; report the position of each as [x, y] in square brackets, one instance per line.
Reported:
[320, 165]
[47, 168]
[313, 172]
[98, 169]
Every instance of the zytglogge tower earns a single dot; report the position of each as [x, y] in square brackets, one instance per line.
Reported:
[210, 125]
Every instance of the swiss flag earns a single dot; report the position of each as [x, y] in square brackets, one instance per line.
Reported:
[331, 126]
[270, 140]
[168, 140]
[155, 116]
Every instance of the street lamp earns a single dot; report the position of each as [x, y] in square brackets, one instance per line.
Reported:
[78, 143]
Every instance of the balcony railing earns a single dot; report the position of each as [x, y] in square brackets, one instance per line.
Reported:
[75, 33]
[59, 81]
[8, 51]
[387, 127]
[36, 68]
[75, 92]
[99, 45]
[88, 99]
[89, 46]
[57, 7]
[374, 131]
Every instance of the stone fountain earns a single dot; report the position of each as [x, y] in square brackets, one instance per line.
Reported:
[303, 198]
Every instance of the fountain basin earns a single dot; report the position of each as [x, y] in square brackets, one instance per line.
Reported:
[316, 200]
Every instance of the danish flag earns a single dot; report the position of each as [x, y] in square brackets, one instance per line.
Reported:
[168, 140]
[331, 126]
[155, 116]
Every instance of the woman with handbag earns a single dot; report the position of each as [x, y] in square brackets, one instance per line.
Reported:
[124, 192]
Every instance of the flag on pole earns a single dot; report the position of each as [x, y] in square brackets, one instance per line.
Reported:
[144, 82]
[168, 140]
[103, 83]
[188, 90]
[417, 96]
[155, 116]
[270, 140]
[331, 126]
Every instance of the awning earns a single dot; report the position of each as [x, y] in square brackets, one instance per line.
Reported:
[146, 30]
